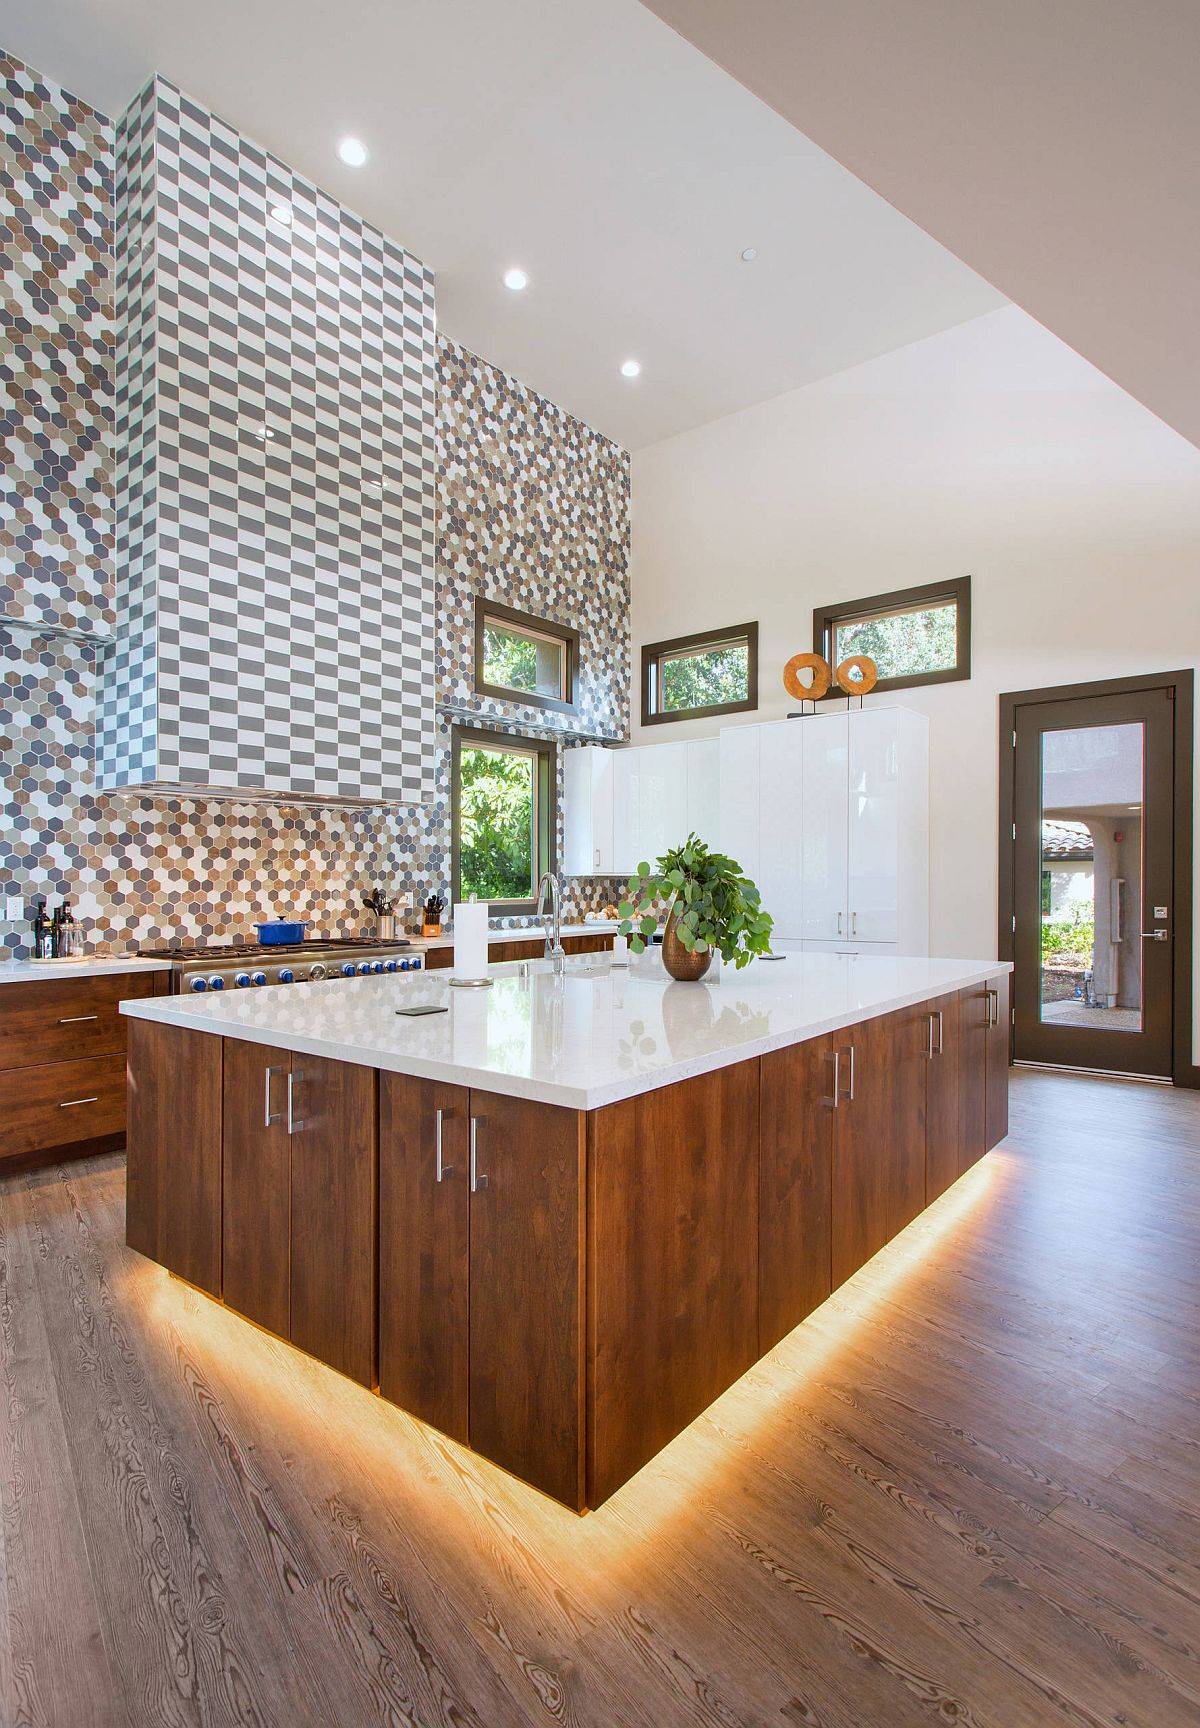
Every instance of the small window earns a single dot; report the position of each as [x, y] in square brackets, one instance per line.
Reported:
[715, 672]
[501, 816]
[521, 658]
[914, 636]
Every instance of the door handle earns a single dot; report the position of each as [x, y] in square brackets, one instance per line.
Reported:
[854, 923]
[77, 1019]
[839, 928]
[848, 1095]
[1156, 935]
[443, 1170]
[477, 1181]
[270, 1117]
[993, 1007]
[72, 1103]
[941, 1020]
[293, 1127]
[837, 1081]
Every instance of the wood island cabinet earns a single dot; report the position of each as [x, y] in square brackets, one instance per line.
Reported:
[795, 1184]
[481, 1273]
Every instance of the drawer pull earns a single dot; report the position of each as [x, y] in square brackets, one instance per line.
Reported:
[70, 1103]
[77, 1019]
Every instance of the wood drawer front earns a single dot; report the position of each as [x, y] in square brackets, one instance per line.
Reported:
[59, 1102]
[64, 1021]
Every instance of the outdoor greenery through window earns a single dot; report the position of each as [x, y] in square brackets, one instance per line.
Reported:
[712, 673]
[501, 815]
[522, 657]
[915, 636]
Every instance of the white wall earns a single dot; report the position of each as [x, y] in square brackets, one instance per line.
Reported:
[990, 449]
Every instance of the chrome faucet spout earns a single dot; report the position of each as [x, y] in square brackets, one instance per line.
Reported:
[549, 888]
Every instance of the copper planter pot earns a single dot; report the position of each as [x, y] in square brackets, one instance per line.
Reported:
[686, 967]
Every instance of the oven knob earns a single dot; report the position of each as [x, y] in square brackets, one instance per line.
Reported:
[242, 980]
[347, 968]
[410, 965]
[318, 970]
[364, 966]
[390, 965]
[404, 965]
[199, 984]
[258, 978]
[286, 975]
[216, 982]
[377, 965]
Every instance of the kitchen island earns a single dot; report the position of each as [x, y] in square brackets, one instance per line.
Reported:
[559, 1218]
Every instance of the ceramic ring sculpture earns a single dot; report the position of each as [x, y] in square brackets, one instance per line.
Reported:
[857, 675]
[821, 675]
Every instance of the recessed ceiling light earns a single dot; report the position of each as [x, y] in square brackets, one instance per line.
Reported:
[353, 152]
[281, 215]
[516, 280]
[630, 368]
[749, 254]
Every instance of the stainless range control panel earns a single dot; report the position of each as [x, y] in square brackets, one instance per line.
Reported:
[198, 976]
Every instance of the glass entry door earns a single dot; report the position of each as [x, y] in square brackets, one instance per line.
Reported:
[1093, 871]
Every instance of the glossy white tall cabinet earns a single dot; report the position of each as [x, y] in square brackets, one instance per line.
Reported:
[588, 811]
[623, 805]
[838, 805]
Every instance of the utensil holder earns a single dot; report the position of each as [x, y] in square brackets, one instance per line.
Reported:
[385, 926]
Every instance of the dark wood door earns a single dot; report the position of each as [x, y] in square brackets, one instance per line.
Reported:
[1092, 870]
[424, 1249]
[943, 1099]
[173, 1151]
[333, 1223]
[256, 1209]
[796, 1105]
[998, 1034]
[672, 1258]
[899, 1060]
[863, 1123]
[525, 1170]
[974, 1016]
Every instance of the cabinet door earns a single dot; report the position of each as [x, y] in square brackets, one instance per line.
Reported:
[173, 1150]
[825, 838]
[973, 1016]
[796, 1105]
[781, 824]
[904, 1073]
[588, 810]
[424, 1266]
[256, 1197]
[739, 798]
[661, 798]
[703, 811]
[874, 808]
[525, 1172]
[943, 1108]
[998, 1041]
[333, 1213]
[627, 835]
[878, 1136]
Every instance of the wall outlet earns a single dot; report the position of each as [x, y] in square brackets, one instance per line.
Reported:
[14, 909]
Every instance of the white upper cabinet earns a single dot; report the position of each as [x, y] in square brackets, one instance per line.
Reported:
[738, 823]
[873, 881]
[783, 820]
[703, 813]
[825, 845]
[588, 775]
[620, 806]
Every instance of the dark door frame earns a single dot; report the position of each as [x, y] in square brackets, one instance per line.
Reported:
[1183, 1071]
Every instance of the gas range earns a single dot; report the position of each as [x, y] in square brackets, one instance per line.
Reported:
[197, 967]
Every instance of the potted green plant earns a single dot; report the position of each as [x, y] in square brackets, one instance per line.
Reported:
[712, 908]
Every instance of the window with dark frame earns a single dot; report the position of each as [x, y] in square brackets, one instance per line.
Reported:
[522, 658]
[914, 635]
[502, 810]
[692, 677]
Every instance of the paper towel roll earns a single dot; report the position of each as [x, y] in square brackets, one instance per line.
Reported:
[471, 939]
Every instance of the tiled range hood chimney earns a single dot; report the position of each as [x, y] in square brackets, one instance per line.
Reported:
[276, 425]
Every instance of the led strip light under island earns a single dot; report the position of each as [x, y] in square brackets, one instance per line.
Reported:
[557, 1218]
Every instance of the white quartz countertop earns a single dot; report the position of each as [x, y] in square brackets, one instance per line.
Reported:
[589, 1037]
[84, 966]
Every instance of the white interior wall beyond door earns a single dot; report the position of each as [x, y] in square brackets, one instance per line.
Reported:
[990, 450]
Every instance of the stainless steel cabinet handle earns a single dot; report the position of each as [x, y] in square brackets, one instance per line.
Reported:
[597, 857]
[1156, 935]
[837, 1079]
[839, 928]
[269, 1116]
[293, 1127]
[443, 1170]
[848, 1095]
[929, 1046]
[477, 1181]
[77, 1019]
[70, 1103]
[854, 923]
[993, 1002]
[941, 1020]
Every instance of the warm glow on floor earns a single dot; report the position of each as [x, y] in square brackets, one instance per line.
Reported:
[291, 1400]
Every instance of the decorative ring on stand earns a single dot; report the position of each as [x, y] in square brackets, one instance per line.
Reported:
[857, 675]
[814, 663]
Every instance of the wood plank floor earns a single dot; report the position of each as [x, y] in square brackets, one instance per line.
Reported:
[967, 1490]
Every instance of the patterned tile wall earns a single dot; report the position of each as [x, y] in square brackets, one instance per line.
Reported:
[533, 510]
[280, 462]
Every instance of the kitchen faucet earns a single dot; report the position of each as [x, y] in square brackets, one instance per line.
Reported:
[551, 919]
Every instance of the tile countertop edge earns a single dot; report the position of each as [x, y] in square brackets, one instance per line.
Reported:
[189, 1013]
[89, 966]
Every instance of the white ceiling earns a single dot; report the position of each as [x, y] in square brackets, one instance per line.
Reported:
[583, 141]
[1055, 146]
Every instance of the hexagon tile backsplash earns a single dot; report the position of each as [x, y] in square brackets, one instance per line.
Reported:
[533, 509]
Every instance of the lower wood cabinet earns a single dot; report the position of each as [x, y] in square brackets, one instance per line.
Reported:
[482, 1274]
[173, 1150]
[795, 1184]
[945, 1107]
[999, 1042]
[299, 1201]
